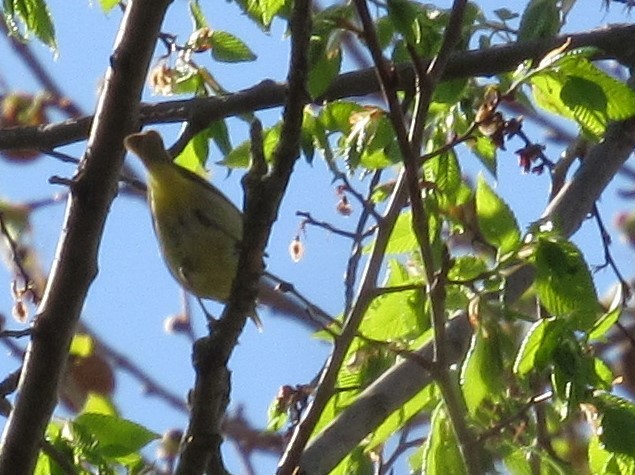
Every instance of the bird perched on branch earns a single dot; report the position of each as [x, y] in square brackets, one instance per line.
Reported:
[199, 229]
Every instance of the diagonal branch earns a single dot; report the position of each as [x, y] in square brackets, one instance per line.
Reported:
[75, 266]
[264, 192]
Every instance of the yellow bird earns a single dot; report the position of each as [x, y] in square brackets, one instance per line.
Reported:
[198, 228]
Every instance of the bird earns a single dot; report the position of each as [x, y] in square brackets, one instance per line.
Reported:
[199, 231]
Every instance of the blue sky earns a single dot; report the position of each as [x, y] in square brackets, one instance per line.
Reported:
[133, 292]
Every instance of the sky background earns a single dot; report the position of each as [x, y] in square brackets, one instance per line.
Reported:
[133, 292]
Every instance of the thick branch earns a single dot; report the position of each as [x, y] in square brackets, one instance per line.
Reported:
[614, 42]
[264, 194]
[75, 265]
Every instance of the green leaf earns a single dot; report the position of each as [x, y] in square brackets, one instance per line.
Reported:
[116, 437]
[505, 14]
[450, 92]
[277, 416]
[404, 15]
[220, 135]
[82, 345]
[485, 150]
[46, 466]
[313, 136]
[587, 102]
[196, 12]
[239, 157]
[467, 268]
[324, 70]
[495, 219]
[228, 48]
[481, 372]
[402, 240]
[262, 11]
[107, 5]
[335, 116]
[617, 426]
[441, 449]
[538, 346]
[36, 18]
[396, 315]
[98, 404]
[606, 321]
[194, 155]
[444, 171]
[402, 416]
[564, 283]
[571, 86]
[357, 462]
[540, 20]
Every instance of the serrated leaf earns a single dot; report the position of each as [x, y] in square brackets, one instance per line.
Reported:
[564, 283]
[335, 116]
[485, 151]
[228, 48]
[396, 315]
[36, 18]
[444, 171]
[324, 70]
[219, 133]
[573, 87]
[277, 417]
[496, 219]
[239, 157]
[116, 437]
[450, 92]
[481, 371]
[402, 239]
[540, 20]
[198, 17]
[617, 426]
[441, 449]
[404, 15]
[587, 102]
[195, 153]
[467, 268]
[98, 404]
[608, 319]
[356, 462]
[262, 11]
[538, 346]
[505, 14]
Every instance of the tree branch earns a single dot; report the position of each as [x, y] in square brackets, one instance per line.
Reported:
[264, 192]
[614, 42]
[75, 266]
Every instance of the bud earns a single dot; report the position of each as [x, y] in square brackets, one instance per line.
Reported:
[296, 249]
[170, 444]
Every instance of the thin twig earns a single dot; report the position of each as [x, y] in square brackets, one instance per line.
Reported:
[608, 257]
[16, 258]
[352, 266]
[308, 219]
[507, 421]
